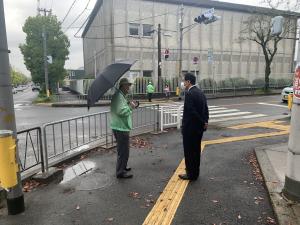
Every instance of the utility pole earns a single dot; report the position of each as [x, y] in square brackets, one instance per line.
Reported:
[159, 51]
[180, 41]
[292, 178]
[15, 197]
[44, 35]
[95, 64]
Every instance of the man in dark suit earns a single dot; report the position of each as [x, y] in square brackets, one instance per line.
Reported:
[194, 123]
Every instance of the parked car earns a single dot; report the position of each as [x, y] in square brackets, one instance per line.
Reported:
[285, 93]
[14, 90]
[36, 87]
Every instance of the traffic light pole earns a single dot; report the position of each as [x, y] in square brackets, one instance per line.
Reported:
[15, 197]
[159, 51]
[292, 178]
[180, 42]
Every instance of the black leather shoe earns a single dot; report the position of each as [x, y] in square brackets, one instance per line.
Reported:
[124, 176]
[185, 177]
[127, 169]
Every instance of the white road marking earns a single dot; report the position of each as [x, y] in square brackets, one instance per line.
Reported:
[263, 103]
[237, 118]
[229, 114]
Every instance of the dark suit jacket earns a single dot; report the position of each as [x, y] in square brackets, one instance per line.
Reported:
[195, 113]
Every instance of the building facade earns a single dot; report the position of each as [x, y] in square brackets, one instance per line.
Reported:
[127, 29]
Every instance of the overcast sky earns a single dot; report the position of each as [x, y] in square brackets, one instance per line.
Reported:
[16, 12]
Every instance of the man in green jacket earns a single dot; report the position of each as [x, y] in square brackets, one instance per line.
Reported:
[150, 90]
[121, 124]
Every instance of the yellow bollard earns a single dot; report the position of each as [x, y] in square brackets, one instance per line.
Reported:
[290, 101]
[177, 91]
[8, 162]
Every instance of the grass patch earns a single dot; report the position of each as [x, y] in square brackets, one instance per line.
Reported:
[262, 91]
[42, 98]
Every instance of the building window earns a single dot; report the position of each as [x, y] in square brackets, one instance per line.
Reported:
[134, 29]
[147, 30]
[147, 73]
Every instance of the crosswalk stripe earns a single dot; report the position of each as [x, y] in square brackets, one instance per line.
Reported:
[217, 113]
[224, 111]
[238, 118]
[263, 103]
[216, 109]
[229, 114]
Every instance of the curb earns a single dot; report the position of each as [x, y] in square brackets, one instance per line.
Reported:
[284, 210]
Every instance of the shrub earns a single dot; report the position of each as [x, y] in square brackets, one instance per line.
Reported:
[283, 82]
[207, 83]
[234, 82]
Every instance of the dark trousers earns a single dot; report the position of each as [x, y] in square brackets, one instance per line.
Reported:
[149, 96]
[192, 153]
[122, 138]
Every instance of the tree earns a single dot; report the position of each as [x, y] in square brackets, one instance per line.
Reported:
[57, 47]
[257, 28]
[18, 78]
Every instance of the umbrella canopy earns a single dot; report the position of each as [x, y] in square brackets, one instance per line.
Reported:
[107, 79]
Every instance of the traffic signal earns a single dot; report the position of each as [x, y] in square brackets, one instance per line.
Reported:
[200, 19]
[207, 17]
[277, 25]
[167, 53]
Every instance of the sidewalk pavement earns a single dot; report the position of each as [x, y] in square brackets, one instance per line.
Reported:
[228, 191]
[83, 103]
[273, 164]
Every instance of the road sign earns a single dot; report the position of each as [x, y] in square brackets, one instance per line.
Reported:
[195, 60]
[297, 83]
[209, 13]
[210, 55]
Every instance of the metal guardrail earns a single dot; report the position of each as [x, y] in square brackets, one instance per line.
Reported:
[30, 148]
[170, 117]
[73, 134]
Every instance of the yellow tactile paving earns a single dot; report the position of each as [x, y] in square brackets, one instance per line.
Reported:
[166, 205]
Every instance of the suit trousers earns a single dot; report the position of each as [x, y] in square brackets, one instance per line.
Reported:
[122, 138]
[192, 153]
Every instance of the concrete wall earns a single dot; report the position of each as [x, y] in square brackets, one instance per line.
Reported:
[232, 58]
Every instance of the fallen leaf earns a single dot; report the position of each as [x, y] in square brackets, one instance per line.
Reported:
[110, 219]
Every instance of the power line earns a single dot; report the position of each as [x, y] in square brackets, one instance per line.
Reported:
[51, 4]
[145, 18]
[78, 16]
[69, 11]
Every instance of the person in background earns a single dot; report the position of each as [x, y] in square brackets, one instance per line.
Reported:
[194, 123]
[167, 91]
[150, 91]
[121, 125]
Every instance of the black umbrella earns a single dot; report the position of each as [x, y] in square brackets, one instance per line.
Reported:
[107, 79]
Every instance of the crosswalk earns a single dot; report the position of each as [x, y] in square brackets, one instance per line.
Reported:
[20, 105]
[216, 113]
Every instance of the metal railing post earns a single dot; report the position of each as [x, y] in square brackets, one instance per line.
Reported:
[162, 119]
[157, 118]
[41, 150]
[45, 149]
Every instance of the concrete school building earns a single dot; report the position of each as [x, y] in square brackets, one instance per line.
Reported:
[127, 29]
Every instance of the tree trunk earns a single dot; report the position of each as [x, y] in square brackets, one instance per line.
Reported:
[267, 76]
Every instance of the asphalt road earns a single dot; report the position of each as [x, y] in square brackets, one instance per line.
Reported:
[29, 115]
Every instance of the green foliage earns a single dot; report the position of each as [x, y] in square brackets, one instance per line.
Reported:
[42, 98]
[284, 82]
[57, 47]
[260, 82]
[207, 83]
[17, 78]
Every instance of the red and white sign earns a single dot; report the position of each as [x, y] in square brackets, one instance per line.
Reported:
[195, 60]
[297, 83]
